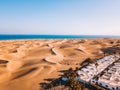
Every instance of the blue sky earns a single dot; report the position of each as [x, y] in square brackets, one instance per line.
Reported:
[77, 17]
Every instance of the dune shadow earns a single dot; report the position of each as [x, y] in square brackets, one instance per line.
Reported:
[24, 73]
[3, 61]
[62, 84]
[54, 83]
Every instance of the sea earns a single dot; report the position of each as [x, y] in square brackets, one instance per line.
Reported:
[15, 37]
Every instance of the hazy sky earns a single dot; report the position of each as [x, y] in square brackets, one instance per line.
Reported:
[101, 17]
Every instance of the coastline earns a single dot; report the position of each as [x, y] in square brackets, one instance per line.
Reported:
[17, 37]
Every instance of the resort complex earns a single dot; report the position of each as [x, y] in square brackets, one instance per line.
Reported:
[104, 72]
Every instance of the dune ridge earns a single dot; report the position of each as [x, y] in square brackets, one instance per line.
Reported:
[26, 63]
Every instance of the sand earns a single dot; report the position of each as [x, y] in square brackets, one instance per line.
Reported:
[24, 64]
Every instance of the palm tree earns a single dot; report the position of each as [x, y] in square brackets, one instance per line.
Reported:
[72, 82]
[76, 69]
[75, 85]
[114, 53]
[96, 64]
[104, 54]
[70, 69]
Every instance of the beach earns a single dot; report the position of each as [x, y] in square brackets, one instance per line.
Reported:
[24, 64]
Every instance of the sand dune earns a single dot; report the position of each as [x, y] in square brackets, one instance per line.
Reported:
[26, 63]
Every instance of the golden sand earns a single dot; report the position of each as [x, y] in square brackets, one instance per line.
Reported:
[24, 64]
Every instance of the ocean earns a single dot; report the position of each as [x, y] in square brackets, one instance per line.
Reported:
[14, 37]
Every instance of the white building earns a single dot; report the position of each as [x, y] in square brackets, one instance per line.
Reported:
[110, 80]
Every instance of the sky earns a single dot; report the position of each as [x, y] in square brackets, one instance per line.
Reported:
[60, 17]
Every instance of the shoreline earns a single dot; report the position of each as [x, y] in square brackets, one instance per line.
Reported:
[19, 37]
